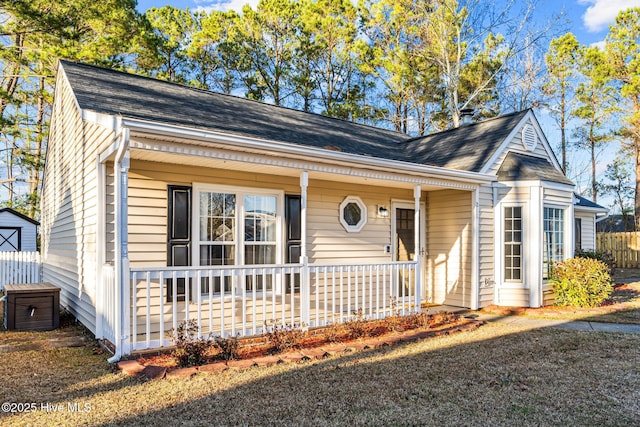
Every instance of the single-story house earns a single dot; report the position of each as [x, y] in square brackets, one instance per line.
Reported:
[163, 203]
[18, 232]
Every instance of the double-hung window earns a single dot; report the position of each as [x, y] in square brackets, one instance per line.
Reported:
[237, 226]
[553, 250]
[513, 243]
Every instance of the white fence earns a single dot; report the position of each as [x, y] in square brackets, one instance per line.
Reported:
[19, 267]
[233, 300]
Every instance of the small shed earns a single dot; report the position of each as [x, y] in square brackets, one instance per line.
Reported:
[18, 232]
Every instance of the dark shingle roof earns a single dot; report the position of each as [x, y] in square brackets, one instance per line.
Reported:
[20, 215]
[586, 203]
[112, 92]
[521, 167]
[466, 148]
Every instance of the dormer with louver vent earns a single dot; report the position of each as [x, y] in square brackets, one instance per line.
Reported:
[529, 137]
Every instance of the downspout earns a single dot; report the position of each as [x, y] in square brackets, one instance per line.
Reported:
[121, 261]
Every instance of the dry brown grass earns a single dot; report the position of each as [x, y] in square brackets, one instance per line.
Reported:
[495, 375]
[622, 307]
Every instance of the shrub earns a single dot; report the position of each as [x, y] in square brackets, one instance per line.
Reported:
[228, 347]
[605, 257]
[284, 337]
[581, 282]
[190, 349]
[357, 326]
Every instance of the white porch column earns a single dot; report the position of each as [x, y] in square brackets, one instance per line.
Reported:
[305, 286]
[533, 260]
[417, 192]
[123, 295]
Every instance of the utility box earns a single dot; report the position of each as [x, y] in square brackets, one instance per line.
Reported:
[31, 307]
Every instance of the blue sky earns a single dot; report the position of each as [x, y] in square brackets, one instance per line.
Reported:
[588, 19]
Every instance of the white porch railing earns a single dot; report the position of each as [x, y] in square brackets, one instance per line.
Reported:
[19, 267]
[243, 300]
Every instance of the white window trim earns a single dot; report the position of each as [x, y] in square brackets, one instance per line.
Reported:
[522, 283]
[363, 208]
[240, 192]
[567, 245]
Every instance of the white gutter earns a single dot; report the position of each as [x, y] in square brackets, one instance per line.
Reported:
[282, 148]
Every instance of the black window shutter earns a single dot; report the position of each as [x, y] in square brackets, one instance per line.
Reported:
[178, 235]
[293, 219]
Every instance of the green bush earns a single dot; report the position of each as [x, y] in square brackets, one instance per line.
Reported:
[605, 257]
[581, 282]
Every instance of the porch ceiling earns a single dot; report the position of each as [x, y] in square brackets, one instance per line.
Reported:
[170, 152]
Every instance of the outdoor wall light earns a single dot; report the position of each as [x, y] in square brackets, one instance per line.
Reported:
[383, 211]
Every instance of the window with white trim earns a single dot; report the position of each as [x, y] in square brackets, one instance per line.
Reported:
[237, 227]
[353, 214]
[513, 243]
[553, 239]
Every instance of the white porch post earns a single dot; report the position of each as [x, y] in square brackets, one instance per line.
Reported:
[305, 286]
[123, 297]
[417, 191]
[533, 268]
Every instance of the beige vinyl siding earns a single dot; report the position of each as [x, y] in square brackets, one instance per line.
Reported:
[555, 196]
[588, 229]
[449, 246]
[548, 296]
[486, 262]
[69, 211]
[513, 194]
[328, 241]
[513, 296]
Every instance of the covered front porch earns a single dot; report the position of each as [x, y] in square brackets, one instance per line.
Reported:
[369, 240]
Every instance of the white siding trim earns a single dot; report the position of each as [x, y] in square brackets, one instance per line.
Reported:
[529, 117]
[279, 148]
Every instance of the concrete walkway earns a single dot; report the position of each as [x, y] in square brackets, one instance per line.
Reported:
[578, 325]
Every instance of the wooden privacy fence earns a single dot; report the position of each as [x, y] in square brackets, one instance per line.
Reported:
[624, 247]
[19, 267]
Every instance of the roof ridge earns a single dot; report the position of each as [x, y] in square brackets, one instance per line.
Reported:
[502, 116]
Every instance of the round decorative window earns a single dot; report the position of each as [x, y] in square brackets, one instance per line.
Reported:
[353, 214]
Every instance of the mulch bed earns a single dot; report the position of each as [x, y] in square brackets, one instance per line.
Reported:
[258, 352]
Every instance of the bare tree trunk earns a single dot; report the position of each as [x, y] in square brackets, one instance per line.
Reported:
[35, 167]
[636, 152]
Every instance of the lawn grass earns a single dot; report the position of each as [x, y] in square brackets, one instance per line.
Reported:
[495, 375]
[622, 307]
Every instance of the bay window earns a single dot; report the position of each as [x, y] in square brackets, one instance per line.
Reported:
[553, 239]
